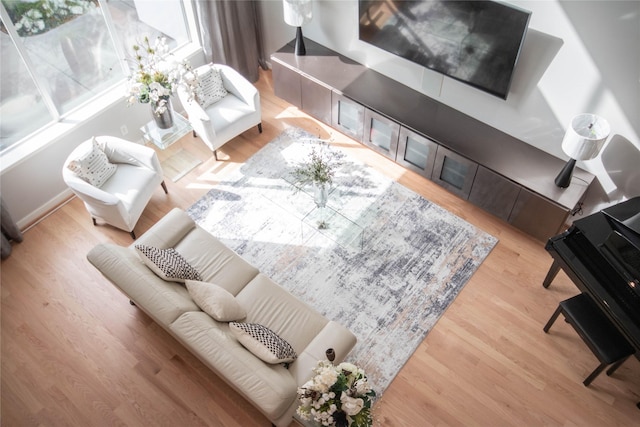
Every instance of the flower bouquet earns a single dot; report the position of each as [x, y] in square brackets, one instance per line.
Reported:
[337, 396]
[156, 75]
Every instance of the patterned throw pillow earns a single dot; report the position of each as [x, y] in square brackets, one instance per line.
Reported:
[93, 166]
[210, 88]
[263, 342]
[168, 264]
[216, 301]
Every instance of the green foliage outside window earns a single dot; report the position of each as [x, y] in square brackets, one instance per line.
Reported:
[31, 17]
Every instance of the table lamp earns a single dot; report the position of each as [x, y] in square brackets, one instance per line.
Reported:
[583, 141]
[296, 13]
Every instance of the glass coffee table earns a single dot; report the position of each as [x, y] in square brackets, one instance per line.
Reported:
[332, 224]
[327, 220]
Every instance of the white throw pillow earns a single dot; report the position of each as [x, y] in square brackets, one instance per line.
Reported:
[263, 342]
[168, 264]
[217, 302]
[93, 166]
[210, 88]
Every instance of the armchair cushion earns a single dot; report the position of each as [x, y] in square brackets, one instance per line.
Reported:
[92, 165]
[210, 88]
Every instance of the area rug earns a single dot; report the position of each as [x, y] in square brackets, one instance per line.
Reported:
[390, 292]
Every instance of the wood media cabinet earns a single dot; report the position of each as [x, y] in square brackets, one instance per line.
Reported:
[495, 171]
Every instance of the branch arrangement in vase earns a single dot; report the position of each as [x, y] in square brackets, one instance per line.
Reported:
[319, 168]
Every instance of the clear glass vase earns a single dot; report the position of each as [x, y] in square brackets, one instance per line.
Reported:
[320, 194]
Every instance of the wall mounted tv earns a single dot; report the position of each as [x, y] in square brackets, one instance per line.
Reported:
[475, 42]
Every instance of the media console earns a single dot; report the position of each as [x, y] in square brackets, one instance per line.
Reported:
[495, 171]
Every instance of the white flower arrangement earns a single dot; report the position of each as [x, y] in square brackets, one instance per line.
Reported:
[157, 74]
[337, 396]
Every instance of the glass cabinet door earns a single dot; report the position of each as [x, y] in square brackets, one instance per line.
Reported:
[347, 116]
[454, 172]
[381, 134]
[416, 152]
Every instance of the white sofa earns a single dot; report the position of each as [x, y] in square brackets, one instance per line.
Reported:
[269, 387]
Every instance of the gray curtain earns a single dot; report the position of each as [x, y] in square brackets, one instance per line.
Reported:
[230, 33]
[10, 230]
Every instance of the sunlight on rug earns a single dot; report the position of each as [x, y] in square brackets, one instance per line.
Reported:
[415, 258]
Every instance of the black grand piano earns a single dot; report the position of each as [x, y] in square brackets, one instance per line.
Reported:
[601, 254]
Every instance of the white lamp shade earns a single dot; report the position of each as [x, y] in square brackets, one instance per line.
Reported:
[585, 137]
[297, 12]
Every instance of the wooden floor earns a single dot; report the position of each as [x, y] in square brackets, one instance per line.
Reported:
[74, 352]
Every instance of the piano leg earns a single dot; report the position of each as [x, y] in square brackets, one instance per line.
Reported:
[553, 271]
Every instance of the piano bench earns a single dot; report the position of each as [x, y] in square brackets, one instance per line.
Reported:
[596, 330]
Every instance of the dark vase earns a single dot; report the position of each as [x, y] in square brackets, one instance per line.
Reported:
[164, 120]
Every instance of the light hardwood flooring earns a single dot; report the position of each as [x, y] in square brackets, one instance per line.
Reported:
[74, 352]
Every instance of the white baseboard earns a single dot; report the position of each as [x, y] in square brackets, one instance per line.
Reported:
[45, 210]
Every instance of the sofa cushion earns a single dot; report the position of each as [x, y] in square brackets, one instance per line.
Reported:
[93, 165]
[263, 342]
[269, 304]
[167, 263]
[163, 301]
[271, 388]
[216, 262]
[215, 301]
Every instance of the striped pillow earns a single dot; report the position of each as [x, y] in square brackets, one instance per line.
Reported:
[168, 264]
[263, 342]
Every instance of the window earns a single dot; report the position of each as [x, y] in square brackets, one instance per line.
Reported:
[59, 54]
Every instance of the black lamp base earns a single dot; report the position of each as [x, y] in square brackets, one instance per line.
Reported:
[564, 177]
[300, 50]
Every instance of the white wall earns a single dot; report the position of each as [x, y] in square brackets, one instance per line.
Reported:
[578, 57]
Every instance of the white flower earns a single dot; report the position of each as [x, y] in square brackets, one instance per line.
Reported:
[350, 405]
[346, 366]
[362, 386]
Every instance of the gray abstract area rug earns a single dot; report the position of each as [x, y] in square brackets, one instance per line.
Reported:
[389, 285]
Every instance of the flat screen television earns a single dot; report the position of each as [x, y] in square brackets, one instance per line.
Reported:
[475, 42]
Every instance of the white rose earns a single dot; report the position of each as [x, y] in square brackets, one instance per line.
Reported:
[346, 366]
[362, 386]
[351, 406]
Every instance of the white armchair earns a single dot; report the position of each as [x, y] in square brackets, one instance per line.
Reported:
[122, 198]
[235, 112]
